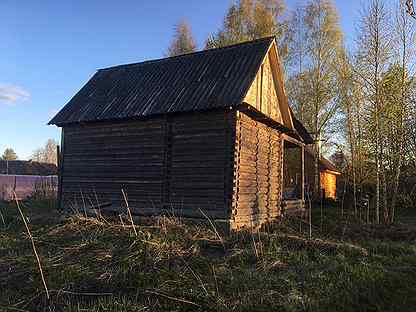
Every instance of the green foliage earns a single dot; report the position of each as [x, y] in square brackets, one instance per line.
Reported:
[183, 41]
[252, 19]
[99, 265]
[318, 36]
[9, 154]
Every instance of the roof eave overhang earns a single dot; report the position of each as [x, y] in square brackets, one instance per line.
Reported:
[332, 172]
[256, 114]
[141, 117]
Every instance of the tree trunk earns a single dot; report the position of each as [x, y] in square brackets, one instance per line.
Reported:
[352, 148]
[377, 114]
[403, 37]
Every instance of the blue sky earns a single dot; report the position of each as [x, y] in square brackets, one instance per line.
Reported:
[49, 49]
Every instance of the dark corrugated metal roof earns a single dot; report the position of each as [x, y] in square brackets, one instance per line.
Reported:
[324, 163]
[300, 129]
[197, 81]
[328, 165]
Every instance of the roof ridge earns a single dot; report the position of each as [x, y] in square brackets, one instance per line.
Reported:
[212, 50]
[148, 88]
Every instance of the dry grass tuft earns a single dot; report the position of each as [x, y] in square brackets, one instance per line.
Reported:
[98, 263]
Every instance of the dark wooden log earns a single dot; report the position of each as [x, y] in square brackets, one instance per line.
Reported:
[258, 184]
[180, 161]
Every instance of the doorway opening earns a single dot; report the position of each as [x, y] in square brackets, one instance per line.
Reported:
[292, 171]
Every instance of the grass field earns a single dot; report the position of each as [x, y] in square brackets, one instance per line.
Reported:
[101, 265]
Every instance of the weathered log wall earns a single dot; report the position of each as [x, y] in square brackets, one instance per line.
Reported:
[201, 163]
[177, 164]
[226, 164]
[258, 172]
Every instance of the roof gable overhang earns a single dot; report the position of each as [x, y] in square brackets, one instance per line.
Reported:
[278, 79]
[267, 92]
[200, 81]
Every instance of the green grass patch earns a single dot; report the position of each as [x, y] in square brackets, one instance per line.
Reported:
[100, 265]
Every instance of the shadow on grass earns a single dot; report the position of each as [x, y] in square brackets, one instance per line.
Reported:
[95, 264]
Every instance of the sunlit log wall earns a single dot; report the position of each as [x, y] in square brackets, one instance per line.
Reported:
[328, 184]
[258, 163]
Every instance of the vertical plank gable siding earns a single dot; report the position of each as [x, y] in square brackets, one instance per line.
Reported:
[262, 93]
[258, 161]
[178, 164]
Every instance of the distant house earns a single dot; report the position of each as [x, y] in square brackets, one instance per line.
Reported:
[206, 134]
[328, 174]
[328, 178]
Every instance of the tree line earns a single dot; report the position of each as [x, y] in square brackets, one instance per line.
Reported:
[357, 102]
[45, 154]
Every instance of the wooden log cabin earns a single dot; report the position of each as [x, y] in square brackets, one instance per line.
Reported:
[207, 132]
[328, 174]
[328, 179]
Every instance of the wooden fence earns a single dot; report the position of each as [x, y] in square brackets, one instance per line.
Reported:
[27, 185]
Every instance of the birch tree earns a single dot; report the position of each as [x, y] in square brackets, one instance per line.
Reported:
[296, 85]
[374, 52]
[410, 9]
[347, 101]
[183, 41]
[323, 45]
[47, 153]
[405, 35]
[252, 19]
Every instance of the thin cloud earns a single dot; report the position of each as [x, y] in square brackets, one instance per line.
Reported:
[11, 94]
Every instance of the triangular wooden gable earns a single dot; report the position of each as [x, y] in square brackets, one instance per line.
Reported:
[267, 93]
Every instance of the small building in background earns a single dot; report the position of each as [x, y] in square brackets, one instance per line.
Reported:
[328, 179]
[328, 174]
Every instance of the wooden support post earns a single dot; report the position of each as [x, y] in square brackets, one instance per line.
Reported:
[282, 159]
[303, 173]
[236, 166]
[61, 152]
[229, 170]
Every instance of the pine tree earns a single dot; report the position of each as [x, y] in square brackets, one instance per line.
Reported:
[183, 41]
[9, 154]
